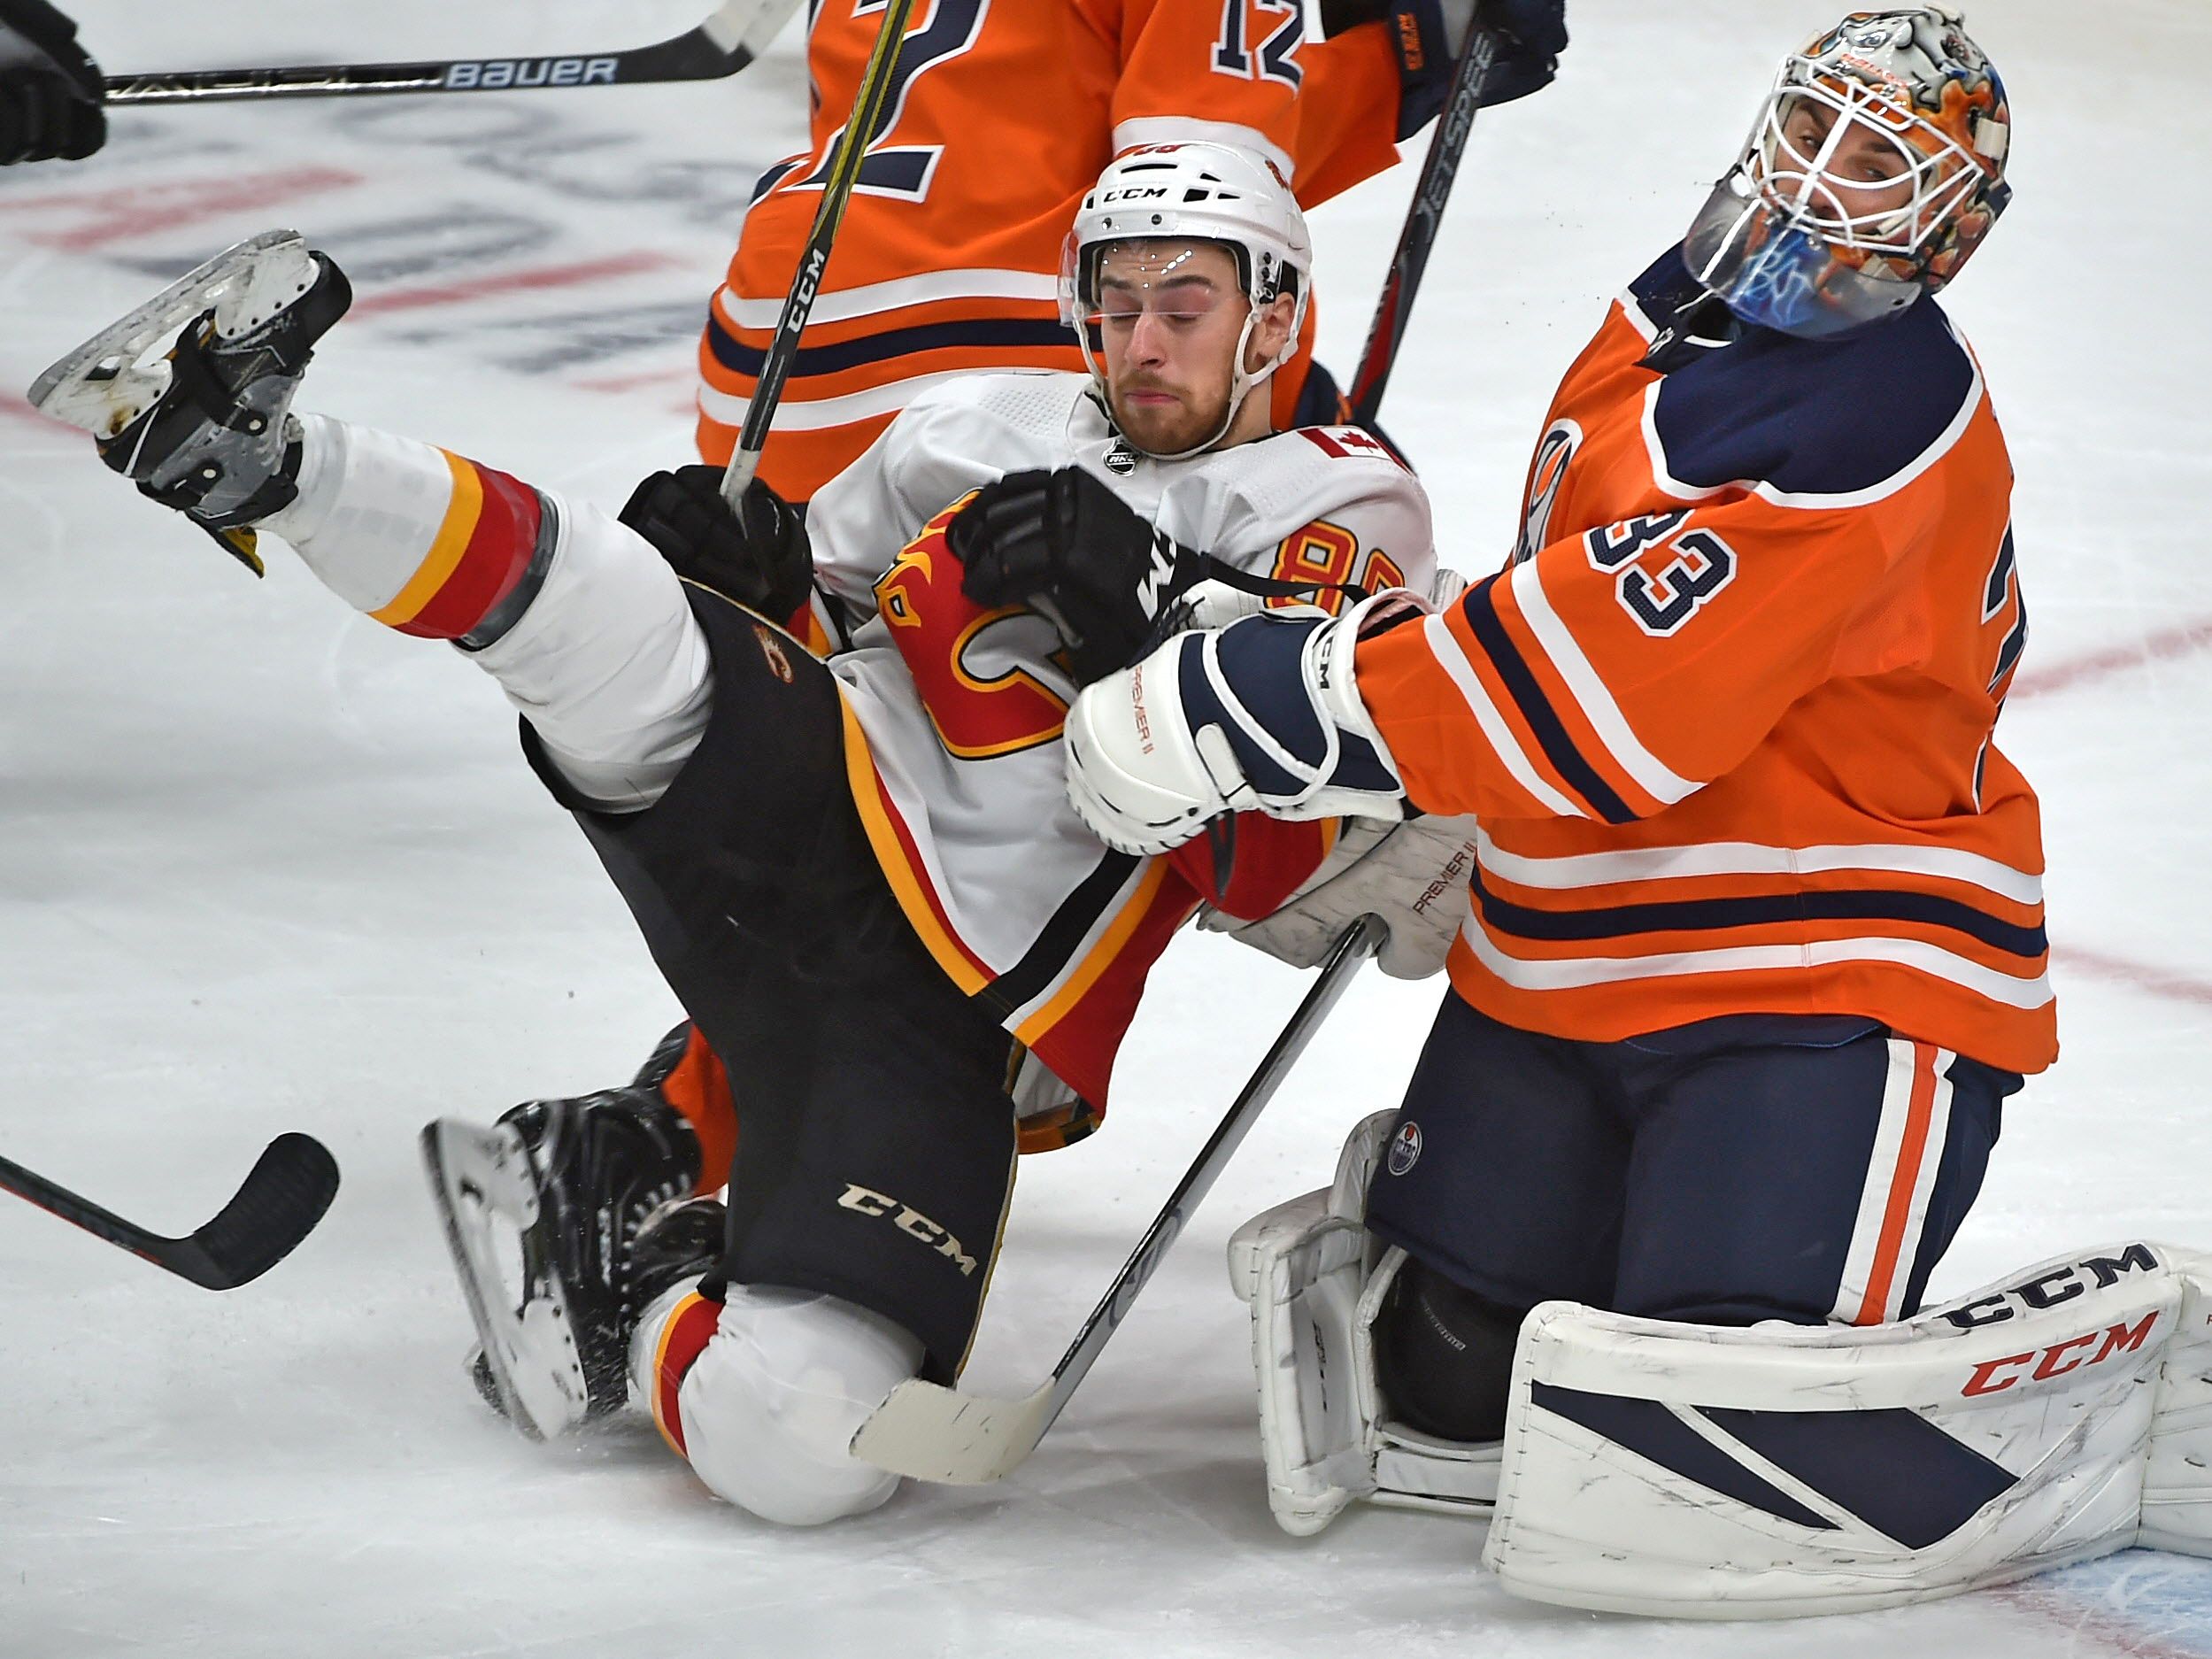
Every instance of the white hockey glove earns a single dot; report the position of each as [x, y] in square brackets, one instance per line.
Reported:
[1703, 1472]
[1414, 875]
[1314, 1281]
[1263, 714]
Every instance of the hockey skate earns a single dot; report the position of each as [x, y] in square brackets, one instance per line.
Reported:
[189, 394]
[544, 1211]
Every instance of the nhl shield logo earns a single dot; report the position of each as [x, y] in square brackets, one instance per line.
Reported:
[1120, 460]
[1405, 1149]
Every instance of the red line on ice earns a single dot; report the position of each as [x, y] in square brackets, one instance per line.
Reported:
[2099, 1625]
[2176, 641]
[2160, 982]
[510, 283]
[133, 211]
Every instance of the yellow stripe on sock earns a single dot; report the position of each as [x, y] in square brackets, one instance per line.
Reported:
[446, 548]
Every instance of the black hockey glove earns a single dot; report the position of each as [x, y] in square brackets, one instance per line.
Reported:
[50, 92]
[1065, 544]
[758, 555]
[1430, 34]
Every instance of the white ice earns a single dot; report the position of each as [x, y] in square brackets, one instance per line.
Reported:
[263, 865]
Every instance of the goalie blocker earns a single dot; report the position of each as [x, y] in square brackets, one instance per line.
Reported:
[1704, 1471]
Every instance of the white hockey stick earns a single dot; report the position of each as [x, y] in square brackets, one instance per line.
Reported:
[736, 32]
[932, 1432]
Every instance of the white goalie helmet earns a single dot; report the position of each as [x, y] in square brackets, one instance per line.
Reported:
[1192, 192]
[1875, 168]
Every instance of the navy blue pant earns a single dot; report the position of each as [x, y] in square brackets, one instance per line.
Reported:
[1756, 1167]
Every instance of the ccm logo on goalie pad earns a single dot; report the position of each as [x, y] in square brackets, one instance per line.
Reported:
[493, 75]
[1990, 1377]
[2048, 1289]
[911, 1221]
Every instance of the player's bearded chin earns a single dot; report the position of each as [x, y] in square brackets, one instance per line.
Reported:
[1168, 428]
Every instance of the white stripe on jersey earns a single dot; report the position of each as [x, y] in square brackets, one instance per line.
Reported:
[1181, 129]
[1571, 973]
[800, 413]
[1751, 858]
[835, 305]
[1453, 662]
[1588, 688]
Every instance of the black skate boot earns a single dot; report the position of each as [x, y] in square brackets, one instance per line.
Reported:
[542, 1211]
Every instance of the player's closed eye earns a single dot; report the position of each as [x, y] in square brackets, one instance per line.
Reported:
[1128, 320]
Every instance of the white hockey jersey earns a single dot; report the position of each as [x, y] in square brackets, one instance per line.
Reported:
[954, 712]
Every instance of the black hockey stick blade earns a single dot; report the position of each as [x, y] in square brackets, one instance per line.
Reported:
[721, 45]
[284, 1195]
[1410, 259]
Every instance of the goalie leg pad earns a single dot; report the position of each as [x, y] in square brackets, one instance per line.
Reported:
[1314, 1279]
[763, 1392]
[1711, 1472]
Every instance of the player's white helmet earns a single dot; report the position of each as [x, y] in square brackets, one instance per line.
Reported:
[1875, 168]
[1193, 192]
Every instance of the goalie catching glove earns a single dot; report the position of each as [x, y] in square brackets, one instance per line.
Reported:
[1263, 714]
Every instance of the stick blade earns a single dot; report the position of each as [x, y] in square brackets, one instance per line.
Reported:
[285, 1194]
[929, 1433]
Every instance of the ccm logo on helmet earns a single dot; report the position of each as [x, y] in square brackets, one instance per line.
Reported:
[1135, 193]
[911, 1221]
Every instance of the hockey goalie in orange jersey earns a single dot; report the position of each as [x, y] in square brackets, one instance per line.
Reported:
[1756, 952]
[1002, 115]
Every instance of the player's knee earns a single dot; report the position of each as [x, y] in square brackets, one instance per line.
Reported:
[771, 1405]
[1443, 1355]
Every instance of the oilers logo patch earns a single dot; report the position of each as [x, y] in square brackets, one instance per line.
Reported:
[1405, 1149]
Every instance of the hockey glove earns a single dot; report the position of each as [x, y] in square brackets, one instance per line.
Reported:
[50, 92]
[1063, 543]
[758, 555]
[1429, 35]
[1263, 714]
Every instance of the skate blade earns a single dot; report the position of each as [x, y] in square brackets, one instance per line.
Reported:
[106, 384]
[479, 1177]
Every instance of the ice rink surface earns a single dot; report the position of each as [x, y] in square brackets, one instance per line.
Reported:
[263, 865]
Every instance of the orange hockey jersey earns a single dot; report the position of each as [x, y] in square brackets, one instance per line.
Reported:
[1726, 718]
[1003, 114]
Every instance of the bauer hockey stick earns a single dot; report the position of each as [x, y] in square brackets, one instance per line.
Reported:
[736, 34]
[798, 305]
[935, 1433]
[284, 1195]
[1438, 168]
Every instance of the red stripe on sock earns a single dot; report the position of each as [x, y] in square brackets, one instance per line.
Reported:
[689, 1329]
[498, 553]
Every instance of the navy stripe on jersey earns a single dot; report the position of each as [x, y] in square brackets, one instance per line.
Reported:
[1809, 417]
[991, 333]
[1695, 915]
[1480, 607]
[1057, 941]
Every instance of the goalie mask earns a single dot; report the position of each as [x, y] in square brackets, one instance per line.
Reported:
[1191, 192]
[1874, 171]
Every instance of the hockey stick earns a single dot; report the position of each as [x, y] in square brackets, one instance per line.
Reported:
[723, 44]
[284, 1195]
[1438, 168]
[935, 1433]
[798, 305]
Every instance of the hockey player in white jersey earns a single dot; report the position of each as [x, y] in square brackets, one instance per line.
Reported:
[862, 878]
